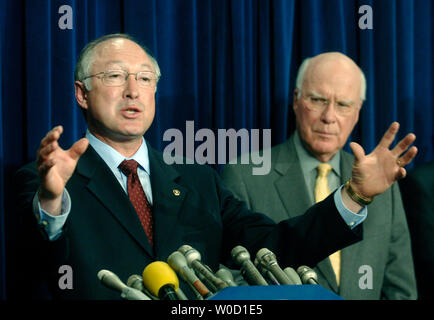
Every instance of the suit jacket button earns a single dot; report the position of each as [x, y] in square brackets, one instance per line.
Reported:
[176, 192]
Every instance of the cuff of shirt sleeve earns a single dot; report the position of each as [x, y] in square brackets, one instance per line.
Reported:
[351, 218]
[52, 224]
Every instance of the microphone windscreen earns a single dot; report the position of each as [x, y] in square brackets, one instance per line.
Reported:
[158, 274]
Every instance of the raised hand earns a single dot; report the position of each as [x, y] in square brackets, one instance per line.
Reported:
[55, 167]
[374, 173]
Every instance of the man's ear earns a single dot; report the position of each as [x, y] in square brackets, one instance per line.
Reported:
[81, 94]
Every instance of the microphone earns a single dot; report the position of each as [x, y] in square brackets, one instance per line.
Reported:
[269, 277]
[226, 276]
[205, 281]
[181, 295]
[193, 260]
[212, 288]
[269, 262]
[178, 263]
[135, 281]
[112, 281]
[241, 257]
[292, 275]
[307, 275]
[161, 280]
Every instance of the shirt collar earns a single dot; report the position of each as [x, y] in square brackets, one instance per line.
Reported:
[113, 158]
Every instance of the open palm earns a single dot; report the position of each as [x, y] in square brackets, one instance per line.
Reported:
[55, 165]
[374, 173]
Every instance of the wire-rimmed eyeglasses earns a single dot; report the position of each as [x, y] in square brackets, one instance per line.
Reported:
[116, 78]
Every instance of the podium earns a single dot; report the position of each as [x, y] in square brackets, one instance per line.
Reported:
[278, 292]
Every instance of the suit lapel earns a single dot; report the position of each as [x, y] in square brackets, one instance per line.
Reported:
[168, 197]
[290, 184]
[105, 187]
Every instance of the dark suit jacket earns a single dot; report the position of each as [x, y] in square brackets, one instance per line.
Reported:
[418, 196]
[386, 246]
[104, 232]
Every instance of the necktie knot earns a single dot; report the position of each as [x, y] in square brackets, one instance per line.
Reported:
[128, 167]
[324, 169]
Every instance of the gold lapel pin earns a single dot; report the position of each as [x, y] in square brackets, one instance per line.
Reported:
[176, 192]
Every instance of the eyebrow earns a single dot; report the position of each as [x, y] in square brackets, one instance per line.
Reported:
[317, 95]
[348, 102]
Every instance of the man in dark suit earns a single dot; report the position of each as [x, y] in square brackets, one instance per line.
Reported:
[329, 93]
[418, 197]
[80, 206]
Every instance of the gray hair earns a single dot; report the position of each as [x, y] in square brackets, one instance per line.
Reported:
[302, 70]
[86, 57]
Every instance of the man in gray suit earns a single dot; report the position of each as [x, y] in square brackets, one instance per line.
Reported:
[330, 89]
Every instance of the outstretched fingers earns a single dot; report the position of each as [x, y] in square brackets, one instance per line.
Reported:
[47, 154]
[52, 135]
[404, 144]
[401, 151]
[407, 157]
[47, 147]
[389, 136]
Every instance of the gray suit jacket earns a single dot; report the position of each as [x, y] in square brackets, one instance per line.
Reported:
[385, 249]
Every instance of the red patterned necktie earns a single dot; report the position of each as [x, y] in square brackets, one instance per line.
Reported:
[138, 197]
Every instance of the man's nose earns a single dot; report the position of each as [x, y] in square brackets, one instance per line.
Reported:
[131, 87]
[329, 113]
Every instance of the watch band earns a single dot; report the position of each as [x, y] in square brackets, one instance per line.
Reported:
[363, 201]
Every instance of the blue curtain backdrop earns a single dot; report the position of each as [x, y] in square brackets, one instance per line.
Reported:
[225, 64]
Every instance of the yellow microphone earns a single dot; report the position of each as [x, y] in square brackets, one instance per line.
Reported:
[161, 280]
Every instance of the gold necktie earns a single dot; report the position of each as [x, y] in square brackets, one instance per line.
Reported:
[321, 192]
